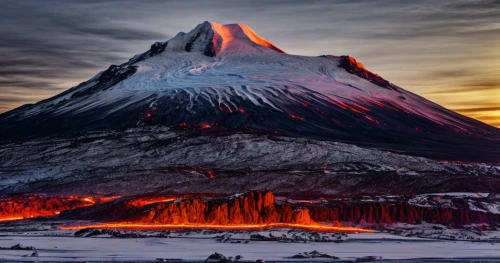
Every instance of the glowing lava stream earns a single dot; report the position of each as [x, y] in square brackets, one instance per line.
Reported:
[133, 226]
[28, 206]
[11, 218]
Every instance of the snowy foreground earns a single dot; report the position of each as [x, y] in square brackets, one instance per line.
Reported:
[195, 246]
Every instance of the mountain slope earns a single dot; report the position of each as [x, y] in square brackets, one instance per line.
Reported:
[228, 76]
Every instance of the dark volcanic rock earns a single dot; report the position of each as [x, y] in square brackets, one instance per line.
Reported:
[161, 160]
[217, 257]
[352, 66]
[176, 162]
[400, 212]
[313, 254]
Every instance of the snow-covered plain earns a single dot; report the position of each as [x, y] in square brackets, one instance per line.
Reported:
[66, 248]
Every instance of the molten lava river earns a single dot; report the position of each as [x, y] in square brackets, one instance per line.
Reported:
[254, 210]
[19, 207]
[249, 211]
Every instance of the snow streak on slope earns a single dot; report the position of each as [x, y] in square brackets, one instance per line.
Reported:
[227, 75]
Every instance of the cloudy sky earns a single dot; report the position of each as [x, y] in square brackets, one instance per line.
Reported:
[446, 51]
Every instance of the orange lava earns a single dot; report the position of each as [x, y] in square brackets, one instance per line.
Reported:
[89, 200]
[371, 119]
[31, 206]
[139, 202]
[339, 103]
[296, 117]
[11, 218]
[361, 107]
[358, 64]
[133, 226]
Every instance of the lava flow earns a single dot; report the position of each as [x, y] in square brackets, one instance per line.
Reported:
[31, 206]
[250, 211]
[253, 227]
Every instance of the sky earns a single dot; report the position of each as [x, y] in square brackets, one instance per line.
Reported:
[445, 51]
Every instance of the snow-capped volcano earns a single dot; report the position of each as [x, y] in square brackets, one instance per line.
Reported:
[230, 77]
[215, 39]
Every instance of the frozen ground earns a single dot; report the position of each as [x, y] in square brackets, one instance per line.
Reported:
[63, 246]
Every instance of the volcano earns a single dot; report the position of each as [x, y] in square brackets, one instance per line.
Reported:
[229, 77]
[220, 129]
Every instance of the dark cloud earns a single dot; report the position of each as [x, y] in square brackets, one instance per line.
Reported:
[453, 73]
[103, 30]
[466, 6]
[45, 85]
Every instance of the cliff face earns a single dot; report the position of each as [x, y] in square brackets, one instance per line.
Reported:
[250, 208]
[261, 207]
[388, 213]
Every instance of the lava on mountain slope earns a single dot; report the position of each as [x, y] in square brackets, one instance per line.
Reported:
[19, 207]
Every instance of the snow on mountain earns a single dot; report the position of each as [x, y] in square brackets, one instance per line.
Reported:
[228, 76]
